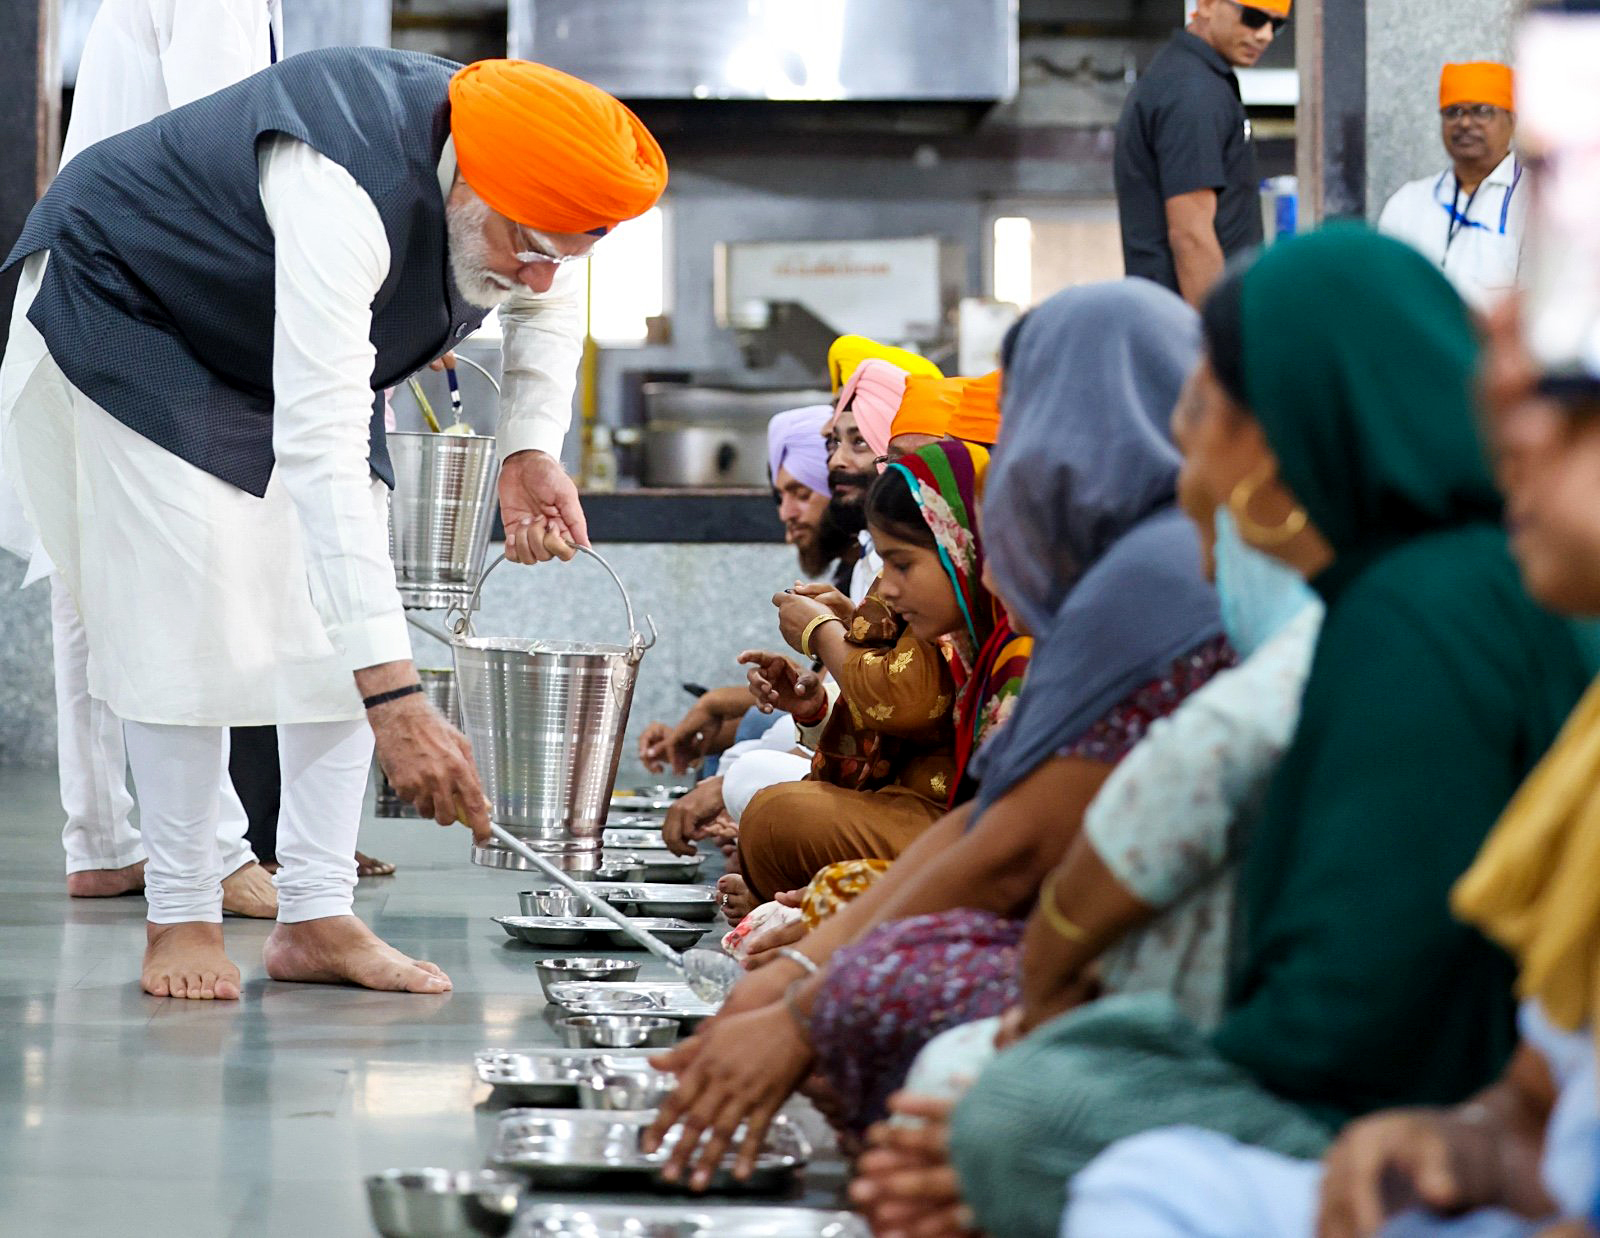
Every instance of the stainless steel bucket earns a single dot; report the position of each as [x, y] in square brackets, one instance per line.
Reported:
[439, 686]
[440, 514]
[546, 720]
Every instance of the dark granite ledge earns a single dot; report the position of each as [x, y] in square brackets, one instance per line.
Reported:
[686, 516]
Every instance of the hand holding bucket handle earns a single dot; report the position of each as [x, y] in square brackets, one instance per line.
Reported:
[460, 620]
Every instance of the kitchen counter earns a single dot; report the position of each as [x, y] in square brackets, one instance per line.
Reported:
[681, 515]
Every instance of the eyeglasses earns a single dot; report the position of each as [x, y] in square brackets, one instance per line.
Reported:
[536, 247]
[1252, 18]
[1460, 111]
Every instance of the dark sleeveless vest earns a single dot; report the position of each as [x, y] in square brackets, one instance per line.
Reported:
[157, 302]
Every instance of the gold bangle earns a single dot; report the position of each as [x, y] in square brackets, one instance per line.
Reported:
[805, 633]
[1052, 913]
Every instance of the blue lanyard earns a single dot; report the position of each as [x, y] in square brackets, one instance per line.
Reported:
[1458, 218]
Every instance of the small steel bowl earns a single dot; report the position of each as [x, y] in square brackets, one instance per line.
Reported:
[618, 1031]
[620, 1089]
[552, 902]
[619, 870]
[443, 1203]
[558, 971]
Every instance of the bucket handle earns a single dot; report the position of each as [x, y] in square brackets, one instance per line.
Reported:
[460, 620]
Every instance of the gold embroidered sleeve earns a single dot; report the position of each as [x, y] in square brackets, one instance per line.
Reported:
[903, 691]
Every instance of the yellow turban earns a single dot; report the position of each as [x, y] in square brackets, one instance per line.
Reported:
[1479, 81]
[550, 151]
[849, 351]
[976, 418]
[927, 406]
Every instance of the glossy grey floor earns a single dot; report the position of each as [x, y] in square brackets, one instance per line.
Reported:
[128, 1115]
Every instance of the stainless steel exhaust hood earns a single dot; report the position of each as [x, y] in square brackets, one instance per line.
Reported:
[811, 51]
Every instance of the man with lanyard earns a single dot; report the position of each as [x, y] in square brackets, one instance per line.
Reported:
[1188, 194]
[1469, 218]
[141, 58]
[209, 305]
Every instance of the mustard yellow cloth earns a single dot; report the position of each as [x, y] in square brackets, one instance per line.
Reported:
[1532, 888]
[849, 351]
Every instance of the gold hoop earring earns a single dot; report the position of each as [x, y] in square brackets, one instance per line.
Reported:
[1239, 502]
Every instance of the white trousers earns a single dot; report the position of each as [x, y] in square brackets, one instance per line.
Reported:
[98, 833]
[324, 767]
[755, 772]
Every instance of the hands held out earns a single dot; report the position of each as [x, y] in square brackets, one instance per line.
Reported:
[777, 683]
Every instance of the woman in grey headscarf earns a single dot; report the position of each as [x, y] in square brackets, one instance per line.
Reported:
[1095, 562]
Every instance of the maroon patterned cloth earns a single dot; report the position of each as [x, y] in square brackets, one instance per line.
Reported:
[892, 992]
[899, 987]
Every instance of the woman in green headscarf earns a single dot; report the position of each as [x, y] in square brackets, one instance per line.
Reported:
[1338, 427]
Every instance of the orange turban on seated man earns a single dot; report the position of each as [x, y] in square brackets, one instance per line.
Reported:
[976, 418]
[549, 151]
[1478, 81]
[927, 406]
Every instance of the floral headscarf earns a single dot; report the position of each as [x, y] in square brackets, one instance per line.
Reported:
[946, 481]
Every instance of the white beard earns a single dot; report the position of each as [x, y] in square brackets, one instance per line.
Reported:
[469, 253]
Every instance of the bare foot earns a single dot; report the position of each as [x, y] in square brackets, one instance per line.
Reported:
[734, 897]
[249, 892]
[343, 950]
[106, 882]
[187, 960]
[367, 866]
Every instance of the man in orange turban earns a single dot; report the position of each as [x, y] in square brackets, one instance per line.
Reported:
[209, 307]
[925, 413]
[1469, 218]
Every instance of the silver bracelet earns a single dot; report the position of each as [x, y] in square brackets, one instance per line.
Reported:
[794, 956]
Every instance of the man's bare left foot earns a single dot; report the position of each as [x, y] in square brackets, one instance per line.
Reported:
[248, 891]
[187, 960]
[106, 882]
[343, 950]
[368, 866]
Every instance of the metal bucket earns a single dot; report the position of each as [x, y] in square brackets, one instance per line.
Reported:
[546, 720]
[439, 686]
[440, 514]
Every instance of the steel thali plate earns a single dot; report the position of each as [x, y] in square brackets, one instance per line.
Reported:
[647, 1220]
[672, 1001]
[549, 1077]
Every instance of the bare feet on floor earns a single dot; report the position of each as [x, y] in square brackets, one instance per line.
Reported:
[187, 960]
[369, 866]
[106, 882]
[249, 892]
[343, 950]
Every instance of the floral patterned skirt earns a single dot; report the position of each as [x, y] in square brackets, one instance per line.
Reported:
[899, 987]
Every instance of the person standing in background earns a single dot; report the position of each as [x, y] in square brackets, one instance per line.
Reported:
[1188, 193]
[141, 58]
[1468, 219]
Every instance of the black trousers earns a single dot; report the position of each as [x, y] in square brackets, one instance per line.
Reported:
[253, 766]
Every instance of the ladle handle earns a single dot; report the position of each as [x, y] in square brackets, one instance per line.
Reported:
[656, 947]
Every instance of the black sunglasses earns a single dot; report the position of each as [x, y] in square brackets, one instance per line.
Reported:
[1252, 18]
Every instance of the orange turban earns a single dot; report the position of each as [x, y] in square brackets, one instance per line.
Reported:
[848, 352]
[1278, 8]
[1479, 81]
[550, 151]
[977, 415]
[927, 406]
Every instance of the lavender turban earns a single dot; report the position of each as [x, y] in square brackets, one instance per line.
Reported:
[794, 442]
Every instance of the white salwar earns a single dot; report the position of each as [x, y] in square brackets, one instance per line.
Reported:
[205, 607]
[141, 59]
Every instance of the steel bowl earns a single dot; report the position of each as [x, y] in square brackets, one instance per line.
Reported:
[618, 1031]
[555, 971]
[614, 1088]
[552, 902]
[443, 1203]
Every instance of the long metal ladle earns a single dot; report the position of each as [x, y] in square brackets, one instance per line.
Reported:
[709, 973]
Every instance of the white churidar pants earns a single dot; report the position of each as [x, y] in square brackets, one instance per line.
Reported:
[98, 833]
[324, 766]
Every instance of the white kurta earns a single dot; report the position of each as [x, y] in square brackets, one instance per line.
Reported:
[1475, 240]
[204, 605]
[141, 59]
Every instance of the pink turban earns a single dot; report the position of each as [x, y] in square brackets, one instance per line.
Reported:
[794, 442]
[873, 394]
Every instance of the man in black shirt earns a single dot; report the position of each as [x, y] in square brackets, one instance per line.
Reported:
[1187, 189]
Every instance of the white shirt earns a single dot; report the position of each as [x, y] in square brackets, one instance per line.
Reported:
[865, 571]
[142, 58]
[332, 257]
[1475, 239]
